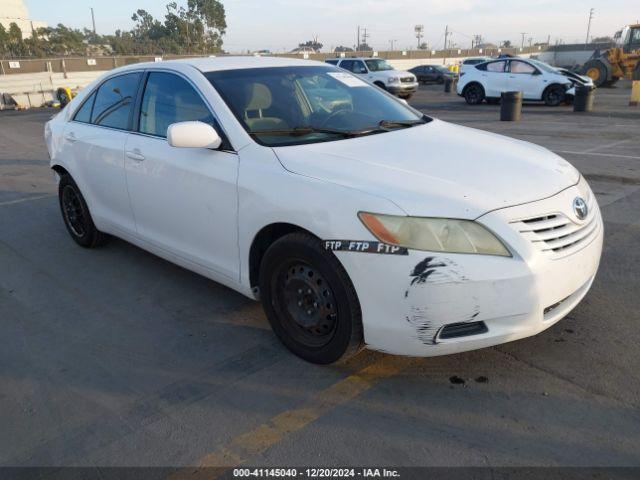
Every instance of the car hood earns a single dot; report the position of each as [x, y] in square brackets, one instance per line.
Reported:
[436, 169]
[393, 73]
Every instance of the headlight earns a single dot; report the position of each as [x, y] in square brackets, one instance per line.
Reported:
[434, 234]
[393, 80]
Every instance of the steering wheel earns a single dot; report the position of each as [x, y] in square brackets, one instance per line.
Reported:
[333, 115]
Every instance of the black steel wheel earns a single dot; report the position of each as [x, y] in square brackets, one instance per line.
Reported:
[474, 94]
[76, 216]
[554, 95]
[309, 300]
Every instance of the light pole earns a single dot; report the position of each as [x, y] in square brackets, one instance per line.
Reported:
[591, 12]
[522, 44]
[93, 20]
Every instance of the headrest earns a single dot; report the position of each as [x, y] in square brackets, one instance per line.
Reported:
[259, 97]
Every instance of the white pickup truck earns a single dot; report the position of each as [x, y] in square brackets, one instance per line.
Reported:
[380, 73]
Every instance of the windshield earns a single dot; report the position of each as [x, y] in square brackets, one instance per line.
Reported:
[545, 67]
[296, 105]
[378, 65]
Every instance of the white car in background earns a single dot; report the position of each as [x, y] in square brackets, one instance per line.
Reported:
[379, 72]
[470, 62]
[536, 80]
[357, 220]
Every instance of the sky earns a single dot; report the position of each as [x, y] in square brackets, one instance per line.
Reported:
[279, 25]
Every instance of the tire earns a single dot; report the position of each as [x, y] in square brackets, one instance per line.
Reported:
[597, 71]
[309, 300]
[553, 95]
[473, 94]
[380, 85]
[76, 216]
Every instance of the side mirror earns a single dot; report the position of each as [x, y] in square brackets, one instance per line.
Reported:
[193, 135]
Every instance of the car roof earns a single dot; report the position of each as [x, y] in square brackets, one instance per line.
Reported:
[355, 58]
[212, 64]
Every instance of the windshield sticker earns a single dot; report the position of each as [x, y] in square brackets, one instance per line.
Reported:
[348, 79]
[364, 247]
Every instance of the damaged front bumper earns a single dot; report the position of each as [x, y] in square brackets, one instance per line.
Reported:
[428, 304]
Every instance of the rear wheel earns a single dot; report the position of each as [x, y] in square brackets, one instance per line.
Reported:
[596, 70]
[474, 94]
[554, 95]
[309, 300]
[76, 216]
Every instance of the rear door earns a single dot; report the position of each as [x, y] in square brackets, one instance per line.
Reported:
[494, 77]
[94, 146]
[525, 78]
[184, 199]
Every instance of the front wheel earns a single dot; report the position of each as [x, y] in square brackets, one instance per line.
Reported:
[474, 94]
[76, 216]
[309, 300]
[553, 95]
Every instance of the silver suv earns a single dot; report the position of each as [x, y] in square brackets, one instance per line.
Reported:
[380, 73]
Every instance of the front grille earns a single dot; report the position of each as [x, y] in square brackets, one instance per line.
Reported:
[558, 234]
[406, 79]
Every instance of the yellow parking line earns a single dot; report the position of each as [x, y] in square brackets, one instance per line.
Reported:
[252, 443]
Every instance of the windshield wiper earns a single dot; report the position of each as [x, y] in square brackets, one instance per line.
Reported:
[307, 130]
[387, 124]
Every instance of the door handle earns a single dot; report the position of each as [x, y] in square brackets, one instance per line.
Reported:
[135, 155]
[70, 137]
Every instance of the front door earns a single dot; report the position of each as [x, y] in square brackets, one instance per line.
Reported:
[184, 199]
[524, 78]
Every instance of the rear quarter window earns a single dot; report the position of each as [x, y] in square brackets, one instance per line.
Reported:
[83, 114]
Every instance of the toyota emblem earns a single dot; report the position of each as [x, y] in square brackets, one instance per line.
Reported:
[580, 208]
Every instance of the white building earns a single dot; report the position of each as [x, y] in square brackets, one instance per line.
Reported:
[15, 11]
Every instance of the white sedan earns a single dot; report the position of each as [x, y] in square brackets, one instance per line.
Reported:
[355, 219]
[536, 80]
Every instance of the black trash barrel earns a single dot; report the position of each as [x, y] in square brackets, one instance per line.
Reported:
[583, 100]
[448, 84]
[510, 106]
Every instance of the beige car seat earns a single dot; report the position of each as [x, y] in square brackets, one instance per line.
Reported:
[260, 100]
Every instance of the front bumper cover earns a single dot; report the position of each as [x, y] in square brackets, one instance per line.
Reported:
[407, 300]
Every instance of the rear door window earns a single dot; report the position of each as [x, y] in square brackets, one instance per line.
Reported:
[496, 67]
[114, 101]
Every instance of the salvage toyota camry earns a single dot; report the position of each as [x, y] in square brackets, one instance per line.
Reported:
[354, 218]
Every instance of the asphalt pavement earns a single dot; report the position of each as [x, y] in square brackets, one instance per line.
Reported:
[114, 357]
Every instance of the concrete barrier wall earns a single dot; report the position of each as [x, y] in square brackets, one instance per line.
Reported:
[40, 78]
[35, 89]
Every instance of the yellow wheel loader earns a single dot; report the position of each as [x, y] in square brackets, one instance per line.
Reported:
[621, 61]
